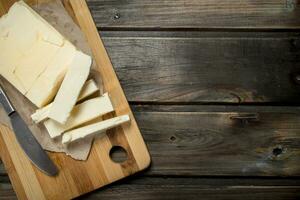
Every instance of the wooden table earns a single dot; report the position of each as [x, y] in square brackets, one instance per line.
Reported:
[215, 88]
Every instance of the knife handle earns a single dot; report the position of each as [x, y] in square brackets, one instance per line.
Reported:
[6, 103]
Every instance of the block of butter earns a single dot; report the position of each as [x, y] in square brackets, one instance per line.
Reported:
[34, 56]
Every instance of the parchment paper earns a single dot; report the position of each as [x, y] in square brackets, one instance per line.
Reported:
[57, 16]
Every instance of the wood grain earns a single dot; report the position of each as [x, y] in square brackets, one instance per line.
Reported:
[10, 168]
[207, 141]
[191, 188]
[197, 141]
[195, 67]
[196, 14]
[6, 4]
[253, 142]
[78, 177]
[2, 170]
[7, 195]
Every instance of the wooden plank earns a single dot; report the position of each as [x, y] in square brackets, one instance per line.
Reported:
[184, 188]
[2, 170]
[194, 34]
[191, 188]
[243, 148]
[8, 195]
[198, 68]
[4, 179]
[196, 14]
[206, 140]
[225, 143]
[214, 108]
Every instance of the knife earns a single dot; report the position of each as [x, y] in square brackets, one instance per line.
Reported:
[27, 141]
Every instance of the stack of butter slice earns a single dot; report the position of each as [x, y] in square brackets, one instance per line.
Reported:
[45, 67]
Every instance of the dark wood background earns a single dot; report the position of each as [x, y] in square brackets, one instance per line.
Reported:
[215, 88]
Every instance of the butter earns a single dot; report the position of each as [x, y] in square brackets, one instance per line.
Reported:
[70, 88]
[47, 84]
[30, 67]
[24, 25]
[82, 113]
[88, 89]
[34, 57]
[92, 129]
[9, 57]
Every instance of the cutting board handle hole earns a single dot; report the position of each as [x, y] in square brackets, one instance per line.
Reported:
[118, 154]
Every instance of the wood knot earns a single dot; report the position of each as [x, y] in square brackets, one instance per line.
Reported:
[296, 78]
[291, 5]
[172, 138]
[245, 118]
[277, 151]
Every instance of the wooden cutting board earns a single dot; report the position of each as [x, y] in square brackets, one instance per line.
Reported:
[78, 177]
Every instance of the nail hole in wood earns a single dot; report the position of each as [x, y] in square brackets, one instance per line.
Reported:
[118, 154]
[296, 78]
[277, 151]
[117, 16]
[172, 138]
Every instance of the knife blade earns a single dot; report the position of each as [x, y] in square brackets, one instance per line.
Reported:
[27, 141]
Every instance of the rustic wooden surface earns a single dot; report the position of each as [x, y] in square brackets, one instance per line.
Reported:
[213, 89]
[185, 67]
[196, 13]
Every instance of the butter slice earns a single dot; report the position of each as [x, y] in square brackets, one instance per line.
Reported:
[9, 58]
[82, 113]
[93, 129]
[30, 67]
[70, 88]
[47, 84]
[34, 57]
[88, 89]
